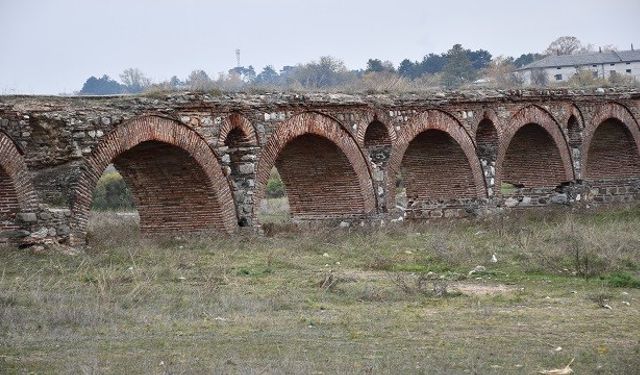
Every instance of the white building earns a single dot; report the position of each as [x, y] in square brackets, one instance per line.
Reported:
[602, 64]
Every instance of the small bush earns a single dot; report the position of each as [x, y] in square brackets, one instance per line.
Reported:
[275, 186]
[623, 280]
[112, 193]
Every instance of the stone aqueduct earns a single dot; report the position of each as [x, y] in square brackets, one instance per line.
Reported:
[200, 162]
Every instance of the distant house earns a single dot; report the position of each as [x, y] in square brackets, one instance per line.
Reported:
[602, 64]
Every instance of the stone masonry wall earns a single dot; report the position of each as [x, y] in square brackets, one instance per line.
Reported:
[201, 161]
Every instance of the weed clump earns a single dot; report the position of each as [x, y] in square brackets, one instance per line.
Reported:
[623, 280]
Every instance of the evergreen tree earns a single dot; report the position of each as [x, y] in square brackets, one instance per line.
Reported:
[432, 63]
[175, 82]
[458, 69]
[375, 65]
[407, 69]
[526, 59]
[101, 86]
[480, 59]
[268, 76]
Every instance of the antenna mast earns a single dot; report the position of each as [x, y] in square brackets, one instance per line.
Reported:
[238, 57]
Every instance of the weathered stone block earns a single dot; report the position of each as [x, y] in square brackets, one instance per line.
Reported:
[27, 217]
[247, 168]
[511, 202]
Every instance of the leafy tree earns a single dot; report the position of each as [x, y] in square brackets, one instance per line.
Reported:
[268, 76]
[458, 69]
[134, 81]
[101, 86]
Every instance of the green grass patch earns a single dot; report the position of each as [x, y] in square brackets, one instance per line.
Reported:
[327, 300]
[623, 280]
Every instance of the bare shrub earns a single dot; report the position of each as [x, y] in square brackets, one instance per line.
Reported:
[586, 78]
[422, 285]
[539, 77]
[384, 81]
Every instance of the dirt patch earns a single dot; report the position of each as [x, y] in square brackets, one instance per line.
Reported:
[464, 287]
[482, 290]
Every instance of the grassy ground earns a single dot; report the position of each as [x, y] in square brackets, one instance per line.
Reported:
[274, 211]
[392, 300]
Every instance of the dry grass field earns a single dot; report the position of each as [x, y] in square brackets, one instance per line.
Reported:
[392, 300]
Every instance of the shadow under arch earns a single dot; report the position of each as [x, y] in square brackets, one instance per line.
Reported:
[16, 190]
[621, 140]
[324, 171]
[175, 177]
[535, 146]
[430, 133]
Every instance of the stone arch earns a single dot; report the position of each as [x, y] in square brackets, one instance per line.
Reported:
[438, 131]
[376, 135]
[490, 115]
[175, 178]
[534, 150]
[574, 122]
[239, 123]
[574, 111]
[610, 144]
[16, 192]
[375, 118]
[324, 171]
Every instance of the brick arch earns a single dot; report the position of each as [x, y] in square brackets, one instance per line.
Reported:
[16, 192]
[370, 118]
[456, 139]
[237, 121]
[617, 146]
[377, 135]
[573, 123]
[574, 111]
[489, 115]
[175, 177]
[550, 139]
[326, 171]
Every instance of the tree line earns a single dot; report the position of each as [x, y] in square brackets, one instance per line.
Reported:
[458, 67]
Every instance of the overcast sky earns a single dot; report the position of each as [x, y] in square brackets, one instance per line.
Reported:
[53, 46]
